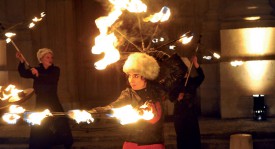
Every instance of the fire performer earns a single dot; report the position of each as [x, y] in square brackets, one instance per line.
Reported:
[141, 70]
[53, 130]
[185, 118]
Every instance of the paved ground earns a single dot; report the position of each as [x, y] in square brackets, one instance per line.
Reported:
[107, 134]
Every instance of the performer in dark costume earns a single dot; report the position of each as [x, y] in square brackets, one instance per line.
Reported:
[185, 118]
[53, 130]
[141, 69]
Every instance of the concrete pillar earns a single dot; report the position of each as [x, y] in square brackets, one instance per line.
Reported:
[241, 141]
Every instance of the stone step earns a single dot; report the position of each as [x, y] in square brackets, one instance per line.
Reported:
[215, 134]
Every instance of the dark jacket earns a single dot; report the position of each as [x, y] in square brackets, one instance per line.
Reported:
[142, 132]
[53, 130]
[185, 120]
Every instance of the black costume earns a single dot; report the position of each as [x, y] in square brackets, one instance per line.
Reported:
[143, 132]
[53, 130]
[185, 119]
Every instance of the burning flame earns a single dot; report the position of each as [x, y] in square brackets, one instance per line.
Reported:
[36, 19]
[12, 117]
[35, 118]
[11, 93]
[81, 116]
[9, 35]
[107, 42]
[185, 39]
[161, 16]
[128, 114]
[31, 25]
[216, 55]
[16, 109]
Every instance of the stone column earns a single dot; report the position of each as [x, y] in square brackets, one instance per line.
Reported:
[251, 41]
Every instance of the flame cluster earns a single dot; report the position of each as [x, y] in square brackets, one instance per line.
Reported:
[125, 115]
[128, 114]
[107, 42]
[9, 35]
[10, 93]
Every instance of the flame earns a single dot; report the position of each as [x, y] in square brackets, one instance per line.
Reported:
[35, 118]
[31, 25]
[8, 40]
[10, 34]
[161, 16]
[107, 42]
[42, 14]
[81, 116]
[16, 109]
[11, 93]
[12, 117]
[185, 39]
[128, 114]
[136, 6]
[36, 19]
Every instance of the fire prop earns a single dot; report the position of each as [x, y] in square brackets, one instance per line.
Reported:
[81, 116]
[35, 19]
[128, 114]
[35, 118]
[125, 115]
[107, 42]
[11, 95]
[13, 115]
[9, 35]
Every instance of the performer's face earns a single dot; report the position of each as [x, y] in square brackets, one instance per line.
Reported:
[136, 81]
[47, 60]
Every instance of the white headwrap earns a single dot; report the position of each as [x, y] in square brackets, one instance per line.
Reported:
[142, 64]
[42, 52]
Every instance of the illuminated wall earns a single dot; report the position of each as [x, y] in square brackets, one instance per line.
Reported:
[3, 63]
[255, 76]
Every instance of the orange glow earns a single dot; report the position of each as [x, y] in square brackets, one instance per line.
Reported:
[128, 114]
[81, 116]
[161, 16]
[35, 118]
[13, 115]
[10, 93]
[107, 42]
[185, 39]
[10, 118]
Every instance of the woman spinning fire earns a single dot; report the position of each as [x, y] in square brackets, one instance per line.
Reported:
[141, 69]
[53, 130]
